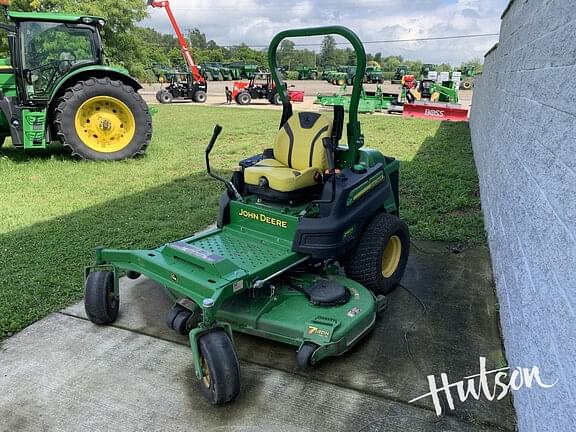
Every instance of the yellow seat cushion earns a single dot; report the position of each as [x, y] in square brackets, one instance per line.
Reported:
[280, 177]
[299, 154]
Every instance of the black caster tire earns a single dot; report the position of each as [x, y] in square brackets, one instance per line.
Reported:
[304, 355]
[100, 302]
[220, 382]
[379, 259]
[180, 323]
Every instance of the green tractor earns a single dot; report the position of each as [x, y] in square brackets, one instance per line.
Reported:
[374, 73]
[467, 77]
[57, 87]
[307, 245]
[307, 73]
[399, 74]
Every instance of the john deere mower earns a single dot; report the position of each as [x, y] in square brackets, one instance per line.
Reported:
[307, 244]
[56, 87]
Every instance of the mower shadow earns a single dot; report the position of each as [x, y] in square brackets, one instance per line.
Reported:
[47, 259]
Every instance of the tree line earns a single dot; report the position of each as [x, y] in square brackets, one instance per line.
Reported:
[137, 48]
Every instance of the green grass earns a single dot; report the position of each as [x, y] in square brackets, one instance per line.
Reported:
[55, 210]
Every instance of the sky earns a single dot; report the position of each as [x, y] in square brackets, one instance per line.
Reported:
[255, 22]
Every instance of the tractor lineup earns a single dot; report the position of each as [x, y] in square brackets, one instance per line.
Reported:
[68, 93]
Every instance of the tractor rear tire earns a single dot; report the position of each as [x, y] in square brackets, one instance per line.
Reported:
[220, 382]
[380, 257]
[125, 123]
[243, 98]
[100, 302]
[200, 96]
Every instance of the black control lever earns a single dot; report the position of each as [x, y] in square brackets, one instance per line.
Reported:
[231, 188]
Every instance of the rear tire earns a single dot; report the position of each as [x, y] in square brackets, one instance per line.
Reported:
[380, 257]
[125, 128]
[200, 96]
[100, 302]
[243, 98]
[220, 382]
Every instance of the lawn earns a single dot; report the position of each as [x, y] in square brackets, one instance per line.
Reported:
[55, 210]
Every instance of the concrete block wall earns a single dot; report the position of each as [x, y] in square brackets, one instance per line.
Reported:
[523, 124]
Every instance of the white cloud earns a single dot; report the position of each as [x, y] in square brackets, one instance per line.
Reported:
[256, 21]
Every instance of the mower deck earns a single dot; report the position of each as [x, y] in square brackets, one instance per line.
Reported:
[289, 316]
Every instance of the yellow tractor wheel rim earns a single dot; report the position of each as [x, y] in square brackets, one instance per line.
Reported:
[105, 124]
[435, 96]
[391, 256]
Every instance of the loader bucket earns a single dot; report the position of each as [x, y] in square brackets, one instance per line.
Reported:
[436, 111]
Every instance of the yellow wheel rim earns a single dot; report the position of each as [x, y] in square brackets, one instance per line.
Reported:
[435, 96]
[391, 256]
[105, 124]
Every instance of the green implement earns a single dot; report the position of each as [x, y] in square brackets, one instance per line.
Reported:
[370, 102]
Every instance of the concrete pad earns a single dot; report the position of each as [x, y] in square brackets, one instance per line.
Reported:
[66, 374]
[460, 324]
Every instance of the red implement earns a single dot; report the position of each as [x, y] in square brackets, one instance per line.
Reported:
[436, 111]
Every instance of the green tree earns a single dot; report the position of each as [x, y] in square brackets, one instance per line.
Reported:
[197, 40]
[286, 54]
[328, 52]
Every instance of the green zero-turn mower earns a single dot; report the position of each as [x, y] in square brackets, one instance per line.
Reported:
[307, 244]
[56, 87]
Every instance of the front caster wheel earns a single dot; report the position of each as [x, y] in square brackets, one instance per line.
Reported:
[304, 355]
[220, 382]
[100, 301]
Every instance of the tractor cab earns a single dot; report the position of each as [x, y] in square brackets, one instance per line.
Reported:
[49, 49]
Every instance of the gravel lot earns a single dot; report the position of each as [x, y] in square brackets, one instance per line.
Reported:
[216, 96]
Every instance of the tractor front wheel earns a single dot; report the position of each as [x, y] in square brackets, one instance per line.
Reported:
[243, 98]
[165, 97]
[276, 99]
[380, 257]
[220, 382]
[200, 96]
[103, 119]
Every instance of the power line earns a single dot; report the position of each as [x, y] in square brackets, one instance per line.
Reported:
[426, 39]
[433, 38]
